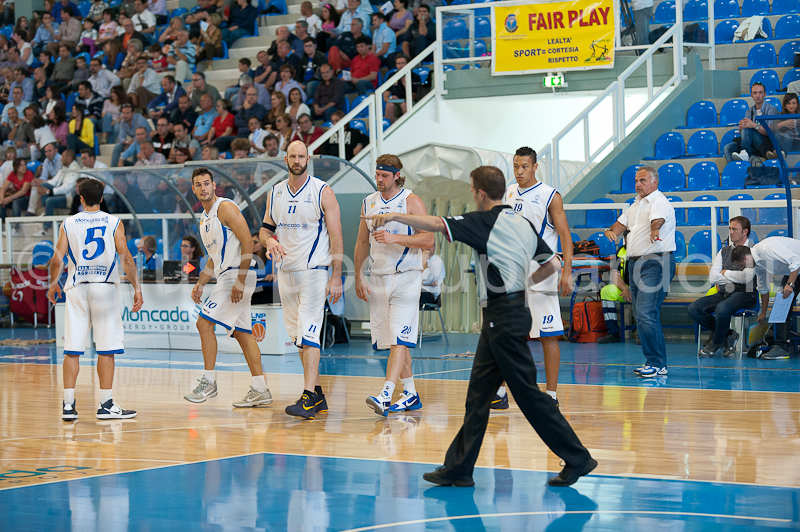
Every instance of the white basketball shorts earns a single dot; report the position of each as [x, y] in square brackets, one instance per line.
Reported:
[303, 301]
[545, 315]
[93, 305]
[219, 308]
[394, 309]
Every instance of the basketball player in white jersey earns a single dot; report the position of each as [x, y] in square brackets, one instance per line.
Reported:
[395, 282]
[542, 205]
[226, 237]
[91, 240]
[302, 233]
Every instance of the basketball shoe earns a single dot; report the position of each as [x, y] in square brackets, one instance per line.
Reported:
[203, 391]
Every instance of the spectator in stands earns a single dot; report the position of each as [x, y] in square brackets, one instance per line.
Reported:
[284, 57]
[90, 162]
[144, 86]
[642, 11]
[41, 132]
[240, 22]
[58, 124]
[57, 192]
[47, 64]
[223, 125]
[296, 106]
[129, 34]
[182, 56]
[307, 132]
[384, 41]
[421, 33]
[212, 41]
[87, 38]
[19, 134]
[97, 10]
[157, 58]
[148, 156]
[263, 94]
[354, 11]
[617, 291]
[283, 125]
[16, 103]
[52, 98]
[314, 23]
[3, 48]
[287, 82]
[8, 166]
[343, 49]
[205, 9]
[187, 115]
[144, 21]
[131, 153]
[191, 248]
[25, 49]
[148, 246]
[363, 69]
[210, 153]
[354, 140]
[301, 32]
[58, 7]
[206, 118]
[64, 69]
[170, 35]
[263, 71]
[754, 140]
[166, 103]
[16, 191]
[90, 103]
[162, 138]
[250, 109]
[330, 20]
[329, 95]
[282, 34]
[113, 56]
[101, 79]
[131, 122]
[256, 137]
[773, 256]
[184, 140]
[244, 70]
[81, 131]
[786, 131]
[108, 29]
[651, 246]
[310, 62]
[401, 18]
[21, 79]
[731, 292]
[112, 115]
[45, 34]
[240, 148]
[14, 59]
[278, 101]
[68, 32]
[82, 73]
[50, 168]
[199, 88]
[432, 276]
[132, 194]
[272, 146]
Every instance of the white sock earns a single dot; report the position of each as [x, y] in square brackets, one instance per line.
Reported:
[388, 389]
[501, 391]
[105, 395]
[69, 396]
[209, 374]
[408, 385]
[551, 393]
[259, 383]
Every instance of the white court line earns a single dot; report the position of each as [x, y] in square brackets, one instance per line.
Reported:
[90, 459]
[606, 512]
[443, 371]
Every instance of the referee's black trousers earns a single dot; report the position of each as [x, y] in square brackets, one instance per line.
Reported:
[503, 354]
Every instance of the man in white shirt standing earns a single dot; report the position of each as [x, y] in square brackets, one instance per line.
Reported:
[314, 22]
[642, 11]
[432, 276]
[651, 263]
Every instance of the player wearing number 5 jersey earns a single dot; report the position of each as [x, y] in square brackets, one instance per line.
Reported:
[393, 289]
[302, 232]
[91, 241]
[230, 257]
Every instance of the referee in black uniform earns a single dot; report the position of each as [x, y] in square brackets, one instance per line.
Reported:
[504, 243]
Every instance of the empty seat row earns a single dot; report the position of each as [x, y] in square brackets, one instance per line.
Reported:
[697, 10]
[770, 79]
[454, 50]
[701, 144]
[704, 114]
[457, 28]
[763, 55]
[702, 176]
[787, 27]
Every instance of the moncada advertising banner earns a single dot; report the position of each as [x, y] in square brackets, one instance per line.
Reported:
[552, 37]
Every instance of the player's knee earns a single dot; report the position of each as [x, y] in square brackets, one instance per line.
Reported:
[204, 325]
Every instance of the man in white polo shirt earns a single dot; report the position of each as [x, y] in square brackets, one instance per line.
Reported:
[651, 263]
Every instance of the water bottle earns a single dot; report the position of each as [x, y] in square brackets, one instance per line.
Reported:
[139, 264]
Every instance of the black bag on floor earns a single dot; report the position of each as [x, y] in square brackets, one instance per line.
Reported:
[762, 175]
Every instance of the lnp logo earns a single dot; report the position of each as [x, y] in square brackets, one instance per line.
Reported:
[511, 23]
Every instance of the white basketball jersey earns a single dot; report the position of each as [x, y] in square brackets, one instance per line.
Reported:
[300, 225]
[391, 258]
[222, 245]
[92, 251]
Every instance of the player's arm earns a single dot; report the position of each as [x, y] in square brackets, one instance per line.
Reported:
[423, 222]
[359, 256]
[545, 270]
[128, 265]
[54, 291]
[421, 240]
[231, 216]
[333, 222]
[559, 217]
[267, 233]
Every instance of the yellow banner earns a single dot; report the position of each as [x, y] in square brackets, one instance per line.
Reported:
[555, 36]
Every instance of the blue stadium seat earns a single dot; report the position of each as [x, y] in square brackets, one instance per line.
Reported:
[785, 7]
[422, 72]
[575, 238]
[788, 27]
[483, 28]
[280, 5]
[733, 175]
[680, 214]
[455, 29]
[704, 176]
[669, 146]
[726, 9]
[665, 13]
[386, 124]
[33, 166]
[727, 138]
[680, 246]
[790, 76]
[626, 180]
[327, 124]
[774, 101]
[753, 237]
[177, 12]
[703, 143]
[723, 32]
[696, 10]
[772, 215]
[755, 7]
[607, 247]
[701, 114]
[71, 101]
[761, 55]
[84, 8]
[701, 217]
[769, 78]
[225, 51]
[777, 232]
[766, 26]
[480, 48]
[359, 125]
[448, 68]
[671, 177]
[452, 50]
[132, 247]
[599, 218]
[358, 99]
[747, 213]
[85, 56]
[460, 2]
[700, 244]
[732, 111]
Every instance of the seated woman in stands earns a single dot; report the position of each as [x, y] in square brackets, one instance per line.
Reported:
[787, 131]
[396, 95]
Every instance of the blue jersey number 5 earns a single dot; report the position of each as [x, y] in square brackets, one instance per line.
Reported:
[101, 244]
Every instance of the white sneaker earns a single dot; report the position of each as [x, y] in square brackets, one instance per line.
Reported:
[254, 398]
[741, 156]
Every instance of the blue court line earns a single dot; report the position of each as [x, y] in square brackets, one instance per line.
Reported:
[288, 492]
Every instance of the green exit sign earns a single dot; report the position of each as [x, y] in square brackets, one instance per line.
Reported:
[553, 81]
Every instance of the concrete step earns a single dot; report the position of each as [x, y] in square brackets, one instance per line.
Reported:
[687, 163]
[106, 150]
[172, 5]
[738, 50]
[222, 71]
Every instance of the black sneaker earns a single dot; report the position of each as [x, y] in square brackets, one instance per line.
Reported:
[499, 403]
[111, 410]
[710, 350]
[730, 343]
[320, 403]
[570, 475]
[305, 407]
[609, 339]
[440, 477]
[68, 412]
